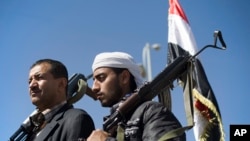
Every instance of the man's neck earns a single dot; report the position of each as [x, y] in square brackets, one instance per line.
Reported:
[47, 110]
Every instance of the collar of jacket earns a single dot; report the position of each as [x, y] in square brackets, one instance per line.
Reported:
[53, 123]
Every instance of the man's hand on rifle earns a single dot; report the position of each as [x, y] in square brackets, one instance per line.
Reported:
[98, 135]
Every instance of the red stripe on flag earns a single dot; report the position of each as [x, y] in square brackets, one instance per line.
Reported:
[176, 9]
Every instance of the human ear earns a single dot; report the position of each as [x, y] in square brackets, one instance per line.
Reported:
[125, 75]
[63, 83]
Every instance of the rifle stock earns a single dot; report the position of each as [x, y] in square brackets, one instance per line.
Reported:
[73, 86]
[148, 91]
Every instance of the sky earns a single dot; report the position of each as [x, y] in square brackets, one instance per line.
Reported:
[73, 32]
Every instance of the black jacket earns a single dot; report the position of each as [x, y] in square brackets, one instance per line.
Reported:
[67, 124]
[149, 122]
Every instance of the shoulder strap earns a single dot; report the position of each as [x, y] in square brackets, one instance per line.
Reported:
[174, 133]
[120, 133]
[188, 100]
[82, 87]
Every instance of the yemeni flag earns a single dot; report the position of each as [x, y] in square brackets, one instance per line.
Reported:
[203, 106]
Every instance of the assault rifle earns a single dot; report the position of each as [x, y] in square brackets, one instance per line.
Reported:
[148, 91]
[77, 86]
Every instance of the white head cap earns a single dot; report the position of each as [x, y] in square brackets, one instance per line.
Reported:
[118, 60]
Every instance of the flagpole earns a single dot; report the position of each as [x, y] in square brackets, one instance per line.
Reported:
[146, 59]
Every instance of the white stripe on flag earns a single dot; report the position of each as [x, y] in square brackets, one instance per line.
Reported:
[179, 32]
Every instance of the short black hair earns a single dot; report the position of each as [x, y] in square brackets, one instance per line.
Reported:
[58, 69]
[133, 85]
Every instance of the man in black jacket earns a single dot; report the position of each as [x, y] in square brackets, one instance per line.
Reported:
[116, 77]
[58, 119]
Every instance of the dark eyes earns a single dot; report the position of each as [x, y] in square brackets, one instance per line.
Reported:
[36, 77]
[100, 77]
